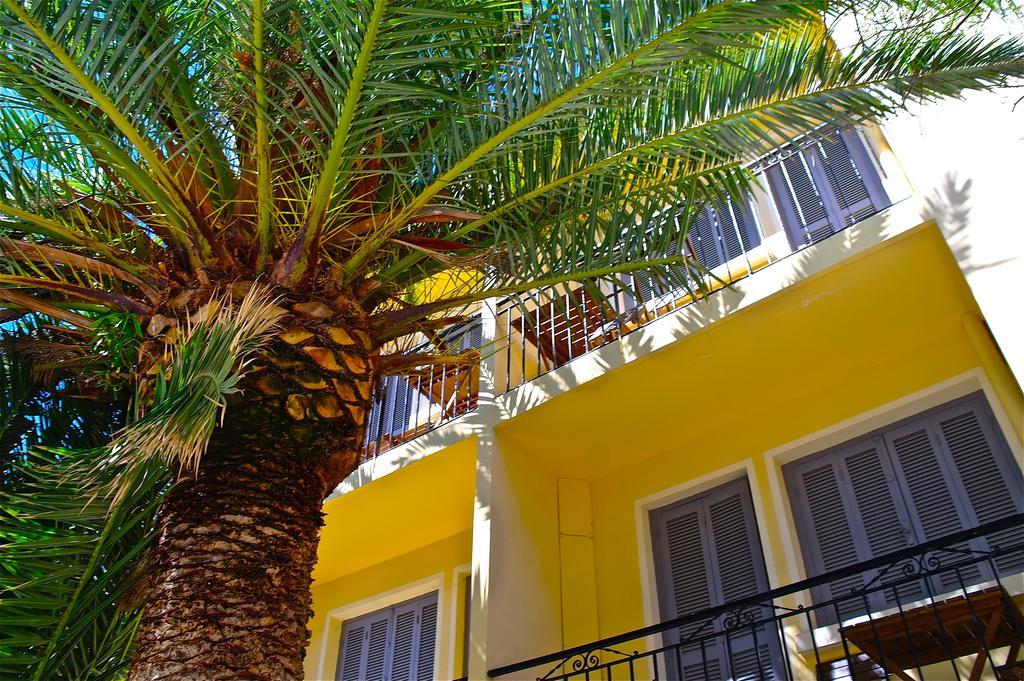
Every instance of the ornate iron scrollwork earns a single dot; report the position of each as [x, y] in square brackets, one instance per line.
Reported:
[741, 617]
[585, 661]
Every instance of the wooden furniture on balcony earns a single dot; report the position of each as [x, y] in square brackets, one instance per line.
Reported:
[979, 622]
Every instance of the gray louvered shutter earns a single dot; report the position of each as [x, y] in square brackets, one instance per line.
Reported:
[705, 241]
[405, 642]
[352, 658]
[736, 226]
[682, 560]
[412, 650]
[707, 553]
[426, 640]
[992, 482]
[398, 400]
[881, 515]
[848, 509]
[364, 647]
[650, 285]
[473, 338]
[800, 204]
[845, 180]
[377, 649]
[918, 480]
[825, 530]
[642, 287]
[935, 508]
[376, 419]
[959, 474]
[393, 644]
[739, 573]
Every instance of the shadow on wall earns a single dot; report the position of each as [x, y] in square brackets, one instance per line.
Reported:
[950, 206]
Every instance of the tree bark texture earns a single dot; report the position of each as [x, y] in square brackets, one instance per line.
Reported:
[226, 587]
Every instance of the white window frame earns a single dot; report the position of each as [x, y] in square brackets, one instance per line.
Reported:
[692, 488]
[330, 644]
[854, 427]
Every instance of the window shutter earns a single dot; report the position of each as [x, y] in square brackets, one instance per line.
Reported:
[373, 428]
[736, 225]
[390, 411]
[412, 655]
[739, 569]
[393, 644]
[650, 285]
[704, 240]
[400, 414]
[825, 187]
[405, 645]
[826, 531]
[993, 488]
[377, 650]
[364, 647]
[686, 563]
[939, 505]
[427, 639]
[473, 338]
[880, 512]
[353, 653]
[915, 481]
[799, 201]
[683, 585]
[845, 179]
[707, 553]
[850, 512]
[936, 512]
[642, 287]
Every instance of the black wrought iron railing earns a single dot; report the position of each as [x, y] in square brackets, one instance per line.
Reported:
[951, 612]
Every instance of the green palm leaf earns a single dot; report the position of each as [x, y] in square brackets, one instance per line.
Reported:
[156, 154]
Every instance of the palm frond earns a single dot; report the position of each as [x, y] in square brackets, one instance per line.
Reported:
[397, 158]
[68, 556]
[204, 366]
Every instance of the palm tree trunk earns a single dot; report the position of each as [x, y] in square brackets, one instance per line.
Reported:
[227, 587]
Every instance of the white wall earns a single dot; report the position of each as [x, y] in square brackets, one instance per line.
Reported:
[966, 158]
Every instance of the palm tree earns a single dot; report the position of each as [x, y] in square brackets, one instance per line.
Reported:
[238, 213]
[48, 423]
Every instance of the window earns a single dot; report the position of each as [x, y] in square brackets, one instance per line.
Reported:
[452, 389]
[723, 232]
[707, 553]
[918, 480]
[391, 409]
[404, 405]
[393, 644]
[467, 609]
[825, 187]
[719, 233]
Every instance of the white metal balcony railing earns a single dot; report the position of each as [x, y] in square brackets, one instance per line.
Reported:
[815, 189]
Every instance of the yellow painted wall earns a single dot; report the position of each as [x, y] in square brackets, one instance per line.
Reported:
[421, 503]
[409, 526]
[439, 565]
[867, 333]
[568, 557]
[524, 589]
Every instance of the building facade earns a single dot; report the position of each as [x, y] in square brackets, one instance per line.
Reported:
[790, 469]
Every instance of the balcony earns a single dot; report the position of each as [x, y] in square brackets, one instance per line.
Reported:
[940, 610]
[808, 193]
